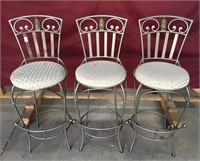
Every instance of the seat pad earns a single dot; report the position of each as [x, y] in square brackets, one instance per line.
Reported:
[38, 75]
[100, 74]
[162, 76]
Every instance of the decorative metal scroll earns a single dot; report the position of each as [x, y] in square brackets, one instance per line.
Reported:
[33, 24]
[165, 23]
[101, 23]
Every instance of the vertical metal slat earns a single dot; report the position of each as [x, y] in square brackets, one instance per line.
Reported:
[173, 46]
[157, 45]
[90, 44]
[98, 44]
[113, 44]
[36, 44]
[165, 45]
[27, 45]
[148, 45]
[52, 44]
[105, 43]
[44, 44]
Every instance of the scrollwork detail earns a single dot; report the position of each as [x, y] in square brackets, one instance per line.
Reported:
[153, 27]
[90, 27]
[116, 28]
[27, 27]
[86, 26]
[174, 28]
[50, 27]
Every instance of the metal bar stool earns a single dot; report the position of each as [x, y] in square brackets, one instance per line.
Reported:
[162, 40]
[101, 70]
[38, 38]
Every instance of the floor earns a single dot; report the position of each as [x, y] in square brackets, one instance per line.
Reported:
[14, 142]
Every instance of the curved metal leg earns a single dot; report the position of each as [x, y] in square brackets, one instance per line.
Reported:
[172, 146]
[118, 139]
[64, 102]
[82, 138]
[187, 104]
[29, 141]
[133, 142]
[76, 103]
[166, 110]
[88, 106]
[137, 96]
[115, 99]
[63, 94]
[36, 110]
[13, 100]
[66, 137]
[124, 101]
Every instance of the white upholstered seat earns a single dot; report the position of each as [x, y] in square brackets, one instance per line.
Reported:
[162, 76]
[100, 74]
[38, 75]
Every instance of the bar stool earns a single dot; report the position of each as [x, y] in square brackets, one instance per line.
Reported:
[101, 70]
[38, 38]
[162, 40]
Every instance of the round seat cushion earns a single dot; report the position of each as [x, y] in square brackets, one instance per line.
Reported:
[162, 76]
[100, 74]
[38, 75]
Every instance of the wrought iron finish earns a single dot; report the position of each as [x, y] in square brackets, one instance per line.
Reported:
[158, 23]
[106, 27]
[34, 22]
[167, 28]
[162, 40]
[39, 29]
[101, 38]
[38, 37]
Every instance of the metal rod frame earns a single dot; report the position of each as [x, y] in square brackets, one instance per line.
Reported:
[34, 133]
[170, 131]
[84, 126]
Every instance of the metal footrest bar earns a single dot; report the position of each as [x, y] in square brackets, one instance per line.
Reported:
[102, 132]
[84, 129]
[93, 110]
[45, 134]
[171, 125]
[99, 129]
[157, 134]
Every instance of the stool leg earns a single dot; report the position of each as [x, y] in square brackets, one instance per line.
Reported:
[63, 96]
[115, 99]
[172, 146]
[187, 104]
[29, 141]
[13, 100]
[133, 141]
[36, 110]
[82, 138]
[88, 106]
[66, 137]
[124, 101]
[118, 139]
[137, 96]
[75, 101]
